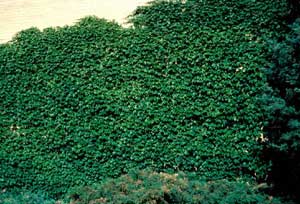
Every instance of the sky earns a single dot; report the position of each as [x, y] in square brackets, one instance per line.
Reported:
[17, 15]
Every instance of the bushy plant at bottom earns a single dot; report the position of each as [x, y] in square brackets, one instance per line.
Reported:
[147, 187]
[24, 197]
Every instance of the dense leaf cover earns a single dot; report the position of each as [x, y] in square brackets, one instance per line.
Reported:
[283, 92]
[25, 198]
[282, 103]
[177, 91]
[146, 187]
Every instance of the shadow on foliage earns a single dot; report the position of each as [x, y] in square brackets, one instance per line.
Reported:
[282, 102]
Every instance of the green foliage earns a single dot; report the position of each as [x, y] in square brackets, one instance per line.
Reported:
[24, 198]
[283, 95]
[146, 187]
[179, 91]
[257, 18]
[282, 103]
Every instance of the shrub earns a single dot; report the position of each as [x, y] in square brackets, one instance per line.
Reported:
[24, 197]
[146, 187]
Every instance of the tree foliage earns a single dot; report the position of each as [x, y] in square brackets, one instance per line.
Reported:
[282, 102]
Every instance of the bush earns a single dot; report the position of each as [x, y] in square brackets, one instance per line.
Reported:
[24, 197]
[146, 187]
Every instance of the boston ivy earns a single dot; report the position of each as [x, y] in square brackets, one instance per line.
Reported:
[175, 92]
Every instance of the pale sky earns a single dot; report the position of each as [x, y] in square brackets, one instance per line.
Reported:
[16, 15]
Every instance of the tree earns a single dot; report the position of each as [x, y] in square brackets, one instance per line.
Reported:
[282, 103]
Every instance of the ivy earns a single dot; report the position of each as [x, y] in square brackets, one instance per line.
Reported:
[177, 91]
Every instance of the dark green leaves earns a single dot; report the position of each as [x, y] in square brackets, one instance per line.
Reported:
[177, 92]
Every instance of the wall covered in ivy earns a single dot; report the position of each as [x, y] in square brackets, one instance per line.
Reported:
[176, 92]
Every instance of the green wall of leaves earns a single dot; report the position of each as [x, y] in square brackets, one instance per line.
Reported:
[178, 91]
